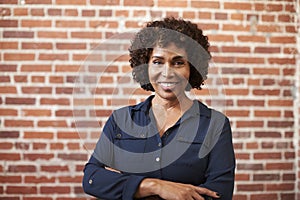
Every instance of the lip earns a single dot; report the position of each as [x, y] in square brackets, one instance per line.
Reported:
[167, 85]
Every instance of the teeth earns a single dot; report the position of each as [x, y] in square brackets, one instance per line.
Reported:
[167, 84]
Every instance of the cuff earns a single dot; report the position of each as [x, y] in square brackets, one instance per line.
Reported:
[131, 186]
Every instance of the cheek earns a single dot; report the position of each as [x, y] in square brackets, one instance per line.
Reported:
[152, 73]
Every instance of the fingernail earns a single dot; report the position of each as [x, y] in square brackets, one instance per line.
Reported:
[218, 194]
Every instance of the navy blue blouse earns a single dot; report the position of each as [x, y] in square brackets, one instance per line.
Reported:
[197, 150]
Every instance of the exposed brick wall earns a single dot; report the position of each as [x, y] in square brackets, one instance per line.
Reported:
[254, 79]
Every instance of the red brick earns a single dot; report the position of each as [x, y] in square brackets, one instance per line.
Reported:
[71, 12]
[54, 168]
[246, 38]
[269, 134]
[268, 50]
[38, 2]
[18, 34]
[52, 34]
[67, 24]
[36, 112]
[39, 180]
[36, 23]
[250, 187]
[20, 11]
[5, 12]
[37, 12]
[55, 190]
[90, 35]
[105, 2]
[36, 90]
[18, 123]
[205, 4]
[9, 134]
[70, 46]
[237, 6]
[36, 45]
[37, 156]
[282, 61]
[54, 12]
[51, 101]
[38, 135]
[52, 123]
[71, 2]
[261, 92]
[270, 156]
[70, 179]
[36, 68]
[148, 3]
[8, 112]
[21, 168]
[280, 187]
[8, 89]
[10, 156]
[6, 146]
[37, 79]
[56, 146]
[19, 56]
[73, 156]
[21, 189]
[174, 4]
[267, 113]
[263, 196]
[241, 124]
[88, 13]
[10, 179]
[8, 23]
[60, 113]
[53, 56]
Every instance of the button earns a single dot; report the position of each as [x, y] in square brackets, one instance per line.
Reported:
[119, 135]
[180, 138]
[142, 135]
[90, 181]
[157, 159]
[159, 144]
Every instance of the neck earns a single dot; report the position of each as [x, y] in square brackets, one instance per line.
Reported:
[181, 102]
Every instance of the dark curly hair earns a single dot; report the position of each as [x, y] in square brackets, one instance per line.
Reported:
[183, 34]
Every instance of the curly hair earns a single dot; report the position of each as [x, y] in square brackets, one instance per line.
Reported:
[183, 34]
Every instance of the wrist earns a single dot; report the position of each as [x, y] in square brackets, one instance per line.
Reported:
[147, 187]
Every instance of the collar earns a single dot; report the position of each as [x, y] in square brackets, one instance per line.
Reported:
[197, 108]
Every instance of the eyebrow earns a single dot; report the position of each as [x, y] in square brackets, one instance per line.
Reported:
[174, 58]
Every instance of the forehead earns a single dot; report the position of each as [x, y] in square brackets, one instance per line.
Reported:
[169, 50]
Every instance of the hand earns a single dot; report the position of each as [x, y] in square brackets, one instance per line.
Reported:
[173, 191]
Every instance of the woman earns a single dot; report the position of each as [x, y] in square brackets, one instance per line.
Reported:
[169, 146]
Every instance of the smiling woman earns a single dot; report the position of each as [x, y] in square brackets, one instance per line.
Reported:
[169, 146]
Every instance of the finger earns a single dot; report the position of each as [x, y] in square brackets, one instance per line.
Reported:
[207, 192]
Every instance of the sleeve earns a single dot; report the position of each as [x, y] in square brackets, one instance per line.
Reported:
[221, 168]
[101, 182]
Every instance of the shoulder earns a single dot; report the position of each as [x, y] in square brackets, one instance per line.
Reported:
[212, 113]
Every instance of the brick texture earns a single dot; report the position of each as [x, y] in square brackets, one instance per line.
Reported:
[49, 123]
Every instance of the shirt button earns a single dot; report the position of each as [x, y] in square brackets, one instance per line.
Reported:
[119, 135]
[90, 181]
[159, 144]
[157, 159]
[142, 135]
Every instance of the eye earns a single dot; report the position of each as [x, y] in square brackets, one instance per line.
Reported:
[178, 63]
[157, 62]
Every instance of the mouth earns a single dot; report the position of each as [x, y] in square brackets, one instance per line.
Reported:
[167, 85]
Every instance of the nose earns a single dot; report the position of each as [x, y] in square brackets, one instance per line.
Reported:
[167, 70]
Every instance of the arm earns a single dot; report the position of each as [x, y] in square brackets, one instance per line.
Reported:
[221, 168]
[104, 183]
[107, 184]
[171, 190]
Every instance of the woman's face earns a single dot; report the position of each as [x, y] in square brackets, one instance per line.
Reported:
[169, 71]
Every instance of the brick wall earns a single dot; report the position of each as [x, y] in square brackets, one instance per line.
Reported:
[47, 132]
